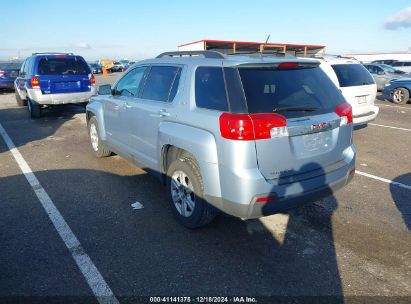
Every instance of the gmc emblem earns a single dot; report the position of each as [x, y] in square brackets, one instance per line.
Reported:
[318, 127]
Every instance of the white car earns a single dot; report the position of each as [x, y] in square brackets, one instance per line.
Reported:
[404, 66]
[356, 84]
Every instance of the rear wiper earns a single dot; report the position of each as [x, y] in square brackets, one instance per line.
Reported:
[295, 109]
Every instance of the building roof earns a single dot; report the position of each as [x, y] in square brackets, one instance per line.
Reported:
[238, 46]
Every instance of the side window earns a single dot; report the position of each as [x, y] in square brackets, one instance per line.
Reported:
[26, 66]
[161, 83]
[129, 85]
[30, 65]
[378, 70]
[210, 89]
[23, 67]
[174, 87]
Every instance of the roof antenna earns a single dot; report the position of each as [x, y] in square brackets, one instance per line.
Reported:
[261, 52]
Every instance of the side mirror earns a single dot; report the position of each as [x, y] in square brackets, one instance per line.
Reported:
[104, 90]
[381, 73]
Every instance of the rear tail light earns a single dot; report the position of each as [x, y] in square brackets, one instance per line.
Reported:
[2, 73]
[252, 126]
[92, 79]
[266, 199]
[35, 82]
[344, 110]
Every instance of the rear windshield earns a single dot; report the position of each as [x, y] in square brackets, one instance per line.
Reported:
[350, 75]
[293, 93]
[62, 66]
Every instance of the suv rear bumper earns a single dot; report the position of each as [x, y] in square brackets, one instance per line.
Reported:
[367, 115]
[289, 196]
[56, 99]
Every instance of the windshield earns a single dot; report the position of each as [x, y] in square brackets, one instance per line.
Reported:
[293, 92]
[62, 66]
[350, 75]
[387, 68]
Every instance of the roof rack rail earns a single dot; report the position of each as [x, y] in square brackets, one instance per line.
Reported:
[205, 54]
[323, 56]
[266, 53]
[51, 53]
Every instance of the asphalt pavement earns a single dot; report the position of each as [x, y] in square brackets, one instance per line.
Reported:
[354, 246]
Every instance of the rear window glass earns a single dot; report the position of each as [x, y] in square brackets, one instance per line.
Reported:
[159, 83]
[350, 75]
[62, 66]
[210, 89]
[293, 93]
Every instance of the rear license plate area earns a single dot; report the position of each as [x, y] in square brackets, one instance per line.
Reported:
[362, 99]
[67, 85]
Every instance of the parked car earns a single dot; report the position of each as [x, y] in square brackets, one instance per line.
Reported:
[118, 67]
[95, 68]
[47, 79]
[403, 66]
[8, 73]
[384, 61]
[383, 73]
[356, 84]
[398, 90]
[247, 136]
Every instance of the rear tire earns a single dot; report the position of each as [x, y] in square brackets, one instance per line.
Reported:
[20, 102]
[186, 194]
[97, 145]
[34, 109]
[400, 96]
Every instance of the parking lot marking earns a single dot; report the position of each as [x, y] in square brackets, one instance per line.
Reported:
[391, 127]
[388, 181]
[94, 279]
[384, 105]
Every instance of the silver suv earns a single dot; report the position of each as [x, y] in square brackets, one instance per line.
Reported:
[247, 136]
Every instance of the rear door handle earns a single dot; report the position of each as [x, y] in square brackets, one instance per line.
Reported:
[163, 113]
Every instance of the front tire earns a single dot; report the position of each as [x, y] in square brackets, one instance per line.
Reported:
[97, 145]
[400, 96]
[34, 109]
[186, 194]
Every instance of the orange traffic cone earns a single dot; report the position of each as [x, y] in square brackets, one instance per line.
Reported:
[104, 72]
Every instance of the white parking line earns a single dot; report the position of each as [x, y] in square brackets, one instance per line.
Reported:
[391, 127]
[94, 279]
[384, 105]
[388, 181]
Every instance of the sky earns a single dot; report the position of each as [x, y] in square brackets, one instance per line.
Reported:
[141, 29]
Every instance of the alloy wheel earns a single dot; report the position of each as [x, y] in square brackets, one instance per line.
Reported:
[182, 193]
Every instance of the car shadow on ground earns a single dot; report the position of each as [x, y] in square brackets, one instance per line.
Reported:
[23, 129]
[401, 197]
[146, 252]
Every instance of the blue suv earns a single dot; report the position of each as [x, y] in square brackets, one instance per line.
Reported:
[47, 79]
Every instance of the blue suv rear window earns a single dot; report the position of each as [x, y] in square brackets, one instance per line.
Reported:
[62, 66]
